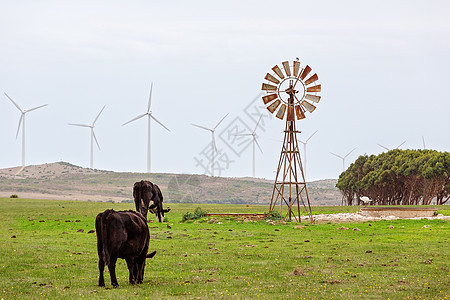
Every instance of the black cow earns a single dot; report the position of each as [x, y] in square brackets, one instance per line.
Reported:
[148, 196]
[122, 234]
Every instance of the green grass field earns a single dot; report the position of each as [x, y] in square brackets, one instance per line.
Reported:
[42, 255]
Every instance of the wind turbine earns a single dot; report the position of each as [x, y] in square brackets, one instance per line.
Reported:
[213, 143]
[423, 142]
[255, 141]
[343, 158]
[22, 122]
[93, 137]
[387, 149]
[149, 113]
[304, 147]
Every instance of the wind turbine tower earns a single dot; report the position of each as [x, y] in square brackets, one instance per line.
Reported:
[255, 141]
[22, 122]
[148, 113]
[304, 147]
[343, 158]
[93, 137]
[213, 142]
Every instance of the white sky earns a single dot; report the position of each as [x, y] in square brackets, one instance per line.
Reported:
[384, 67]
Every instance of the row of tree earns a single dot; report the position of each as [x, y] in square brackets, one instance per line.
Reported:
[398, 177]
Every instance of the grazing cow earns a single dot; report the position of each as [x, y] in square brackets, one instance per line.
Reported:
[148, 196]
[122, 234]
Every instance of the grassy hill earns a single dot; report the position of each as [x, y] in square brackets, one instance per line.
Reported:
[65, 181]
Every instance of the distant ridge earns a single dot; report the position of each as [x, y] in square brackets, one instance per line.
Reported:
[65, 181]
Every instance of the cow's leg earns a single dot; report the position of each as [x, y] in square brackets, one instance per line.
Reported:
[140, 265]
[112, 271]
[160, 212]
[101, 268]
[131, 270]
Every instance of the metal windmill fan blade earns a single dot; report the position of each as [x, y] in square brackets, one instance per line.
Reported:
[316, 88]
[290, 113]
[268, 87]
[313, 98]
[150, 97]
[269, 98]
[272, 107]
[202, 127]
[312, 79]
[308, 106]
[134, 119]
[95, 138]
[96, 118]
[15, 104]
[277, 70]
[305, 72]
[271, 78]
[299, 112]
[81, 125]
[257, 144]
[159, 122]
[20, 123]
[34, 108]
[296, 68]
[286, 67]
[281, 111]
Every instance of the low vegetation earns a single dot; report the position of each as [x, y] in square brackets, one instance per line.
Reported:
[48, 250]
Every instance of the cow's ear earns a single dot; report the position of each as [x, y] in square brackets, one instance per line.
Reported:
[150, 255]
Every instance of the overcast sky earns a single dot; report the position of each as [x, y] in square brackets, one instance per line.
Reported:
[384, 67]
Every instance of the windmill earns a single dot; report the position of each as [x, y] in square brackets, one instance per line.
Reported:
[343, 158]
[22, 122]
[255, 141]
[290, 93]
[93, 137]
[304, 147]
[387, 149]
[148, 113]
[213, 142]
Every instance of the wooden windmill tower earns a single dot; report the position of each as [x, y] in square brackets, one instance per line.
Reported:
[290, 94]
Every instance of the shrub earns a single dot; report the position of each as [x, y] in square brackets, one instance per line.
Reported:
[13, 196]
[274, 215]
[198, 214]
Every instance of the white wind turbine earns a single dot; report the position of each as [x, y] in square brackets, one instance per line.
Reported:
[22, 122]
[149, 113]
[387, 149]
[93, 137]
[255, 141]
[304, 148]
[343, 158]
[213, 143]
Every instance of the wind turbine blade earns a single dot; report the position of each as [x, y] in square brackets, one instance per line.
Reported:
[159, 122]
[400, 145]
[28, 110]
[257, 144]
[242, 134]
[95, 138]
[134, 119]
[214, 141]
[20, 123]
[311, 136]
[337, 155]
[383, 147]
[423, 142]
[95, 120]
[81, 125]
[349, 152]
[15, 104]
[220, 121]
[257, 123]
[202, 127]
[150, 98]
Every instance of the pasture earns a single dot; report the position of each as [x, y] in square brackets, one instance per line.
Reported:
[46, 251]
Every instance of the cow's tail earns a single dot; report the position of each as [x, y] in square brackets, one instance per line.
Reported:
[137, 190]
[104, 230]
